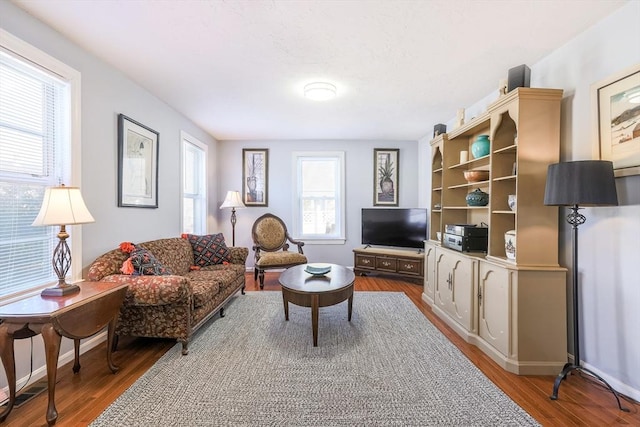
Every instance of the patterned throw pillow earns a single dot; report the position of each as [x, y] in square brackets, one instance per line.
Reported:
[209, 249]
[145, 263]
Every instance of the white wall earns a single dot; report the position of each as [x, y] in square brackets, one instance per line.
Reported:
[608, 241]
[359, 187]
[106, 92]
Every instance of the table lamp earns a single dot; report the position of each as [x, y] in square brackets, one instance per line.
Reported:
[233, 201]
[62, 206]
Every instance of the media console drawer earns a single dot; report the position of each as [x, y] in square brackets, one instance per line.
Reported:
[384, 263]
[394, 262]
[410, 267]
[366, 261]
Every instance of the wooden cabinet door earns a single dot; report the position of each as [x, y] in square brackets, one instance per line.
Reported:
[494, 305]
[430, 270]
[442, 291]
[463, 278]
[455, 280]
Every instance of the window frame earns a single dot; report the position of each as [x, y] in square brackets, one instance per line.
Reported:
[315, 239]
[35, 57]
[186, 138]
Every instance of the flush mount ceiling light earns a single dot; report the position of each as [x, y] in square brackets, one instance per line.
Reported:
[319, 91]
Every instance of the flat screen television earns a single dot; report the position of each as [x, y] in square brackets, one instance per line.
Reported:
[399, 227]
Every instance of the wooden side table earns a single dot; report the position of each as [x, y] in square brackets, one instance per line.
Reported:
[75, 316]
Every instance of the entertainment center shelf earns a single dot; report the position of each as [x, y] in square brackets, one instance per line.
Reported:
[511, 305]
[407, 263]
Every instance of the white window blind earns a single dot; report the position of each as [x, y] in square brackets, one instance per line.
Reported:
[34, 154]
[194, 185]
[319, 204]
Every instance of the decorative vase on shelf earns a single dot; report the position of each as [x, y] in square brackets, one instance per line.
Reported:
[481, 146]
[477, 198]
[510, 244]
[511, 201]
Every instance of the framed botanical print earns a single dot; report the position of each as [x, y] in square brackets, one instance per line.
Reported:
[137, 164]
[617, 115]
[255, 176]
[385, 176]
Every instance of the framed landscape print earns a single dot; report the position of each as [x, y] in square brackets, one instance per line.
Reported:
[255, 176]
[385, 176]
[617, 115]
[137, 164]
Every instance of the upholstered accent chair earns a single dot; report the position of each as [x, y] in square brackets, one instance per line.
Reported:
[270, 245]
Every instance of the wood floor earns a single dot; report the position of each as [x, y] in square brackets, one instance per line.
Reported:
[82, 397]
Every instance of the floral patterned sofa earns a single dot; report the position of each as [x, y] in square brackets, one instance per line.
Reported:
[173, 305]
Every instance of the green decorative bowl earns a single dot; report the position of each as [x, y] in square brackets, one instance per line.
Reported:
[477, 198]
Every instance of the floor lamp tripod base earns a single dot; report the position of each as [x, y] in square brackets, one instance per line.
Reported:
[570, 367]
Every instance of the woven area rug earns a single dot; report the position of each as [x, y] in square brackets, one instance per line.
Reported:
[388, 366]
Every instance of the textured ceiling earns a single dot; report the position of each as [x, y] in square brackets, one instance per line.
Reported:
[237, 68]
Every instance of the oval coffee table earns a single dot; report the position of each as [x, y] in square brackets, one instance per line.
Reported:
[306, 290]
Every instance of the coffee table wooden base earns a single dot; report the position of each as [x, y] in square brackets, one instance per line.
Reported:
[315, 301]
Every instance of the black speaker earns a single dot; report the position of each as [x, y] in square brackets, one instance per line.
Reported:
[519, 76]
[439, 129]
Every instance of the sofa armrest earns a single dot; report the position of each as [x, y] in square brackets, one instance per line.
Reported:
[154, 290]
[106, 265]
[238, 254]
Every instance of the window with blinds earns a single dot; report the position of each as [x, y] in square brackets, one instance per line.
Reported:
[34, 154]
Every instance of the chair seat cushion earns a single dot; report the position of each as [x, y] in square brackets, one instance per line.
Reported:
[278, 259]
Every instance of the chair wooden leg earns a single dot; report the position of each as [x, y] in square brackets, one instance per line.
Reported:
[255, 274]
[261, 275]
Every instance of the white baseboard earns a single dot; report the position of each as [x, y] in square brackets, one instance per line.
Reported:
[617, 385]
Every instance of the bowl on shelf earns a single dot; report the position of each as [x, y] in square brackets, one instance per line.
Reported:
[476, 175]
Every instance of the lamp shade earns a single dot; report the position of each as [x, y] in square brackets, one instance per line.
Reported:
[586, 183]
[233, 200]
[63, 206]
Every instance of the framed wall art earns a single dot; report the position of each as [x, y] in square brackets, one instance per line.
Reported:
[137, 164]
[255, 176]
[617, 117]
[385, 176]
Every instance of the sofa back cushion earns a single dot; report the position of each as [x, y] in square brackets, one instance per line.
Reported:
[174, 253]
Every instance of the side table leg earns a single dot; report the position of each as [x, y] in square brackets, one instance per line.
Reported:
[9, 363]
[76, 359]
[350, 305]
[286, 305]
[52, 349]
[315, 303]
[110, 334]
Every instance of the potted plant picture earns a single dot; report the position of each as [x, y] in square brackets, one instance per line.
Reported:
[386, 177]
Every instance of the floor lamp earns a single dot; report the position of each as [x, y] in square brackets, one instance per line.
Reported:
[575, 184]
[233, 201]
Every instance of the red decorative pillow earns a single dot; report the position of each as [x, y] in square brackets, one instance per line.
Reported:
[209, 249]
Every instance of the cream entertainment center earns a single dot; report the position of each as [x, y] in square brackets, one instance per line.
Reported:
[505, 294]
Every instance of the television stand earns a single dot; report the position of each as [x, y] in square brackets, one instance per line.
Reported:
[394, 262]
